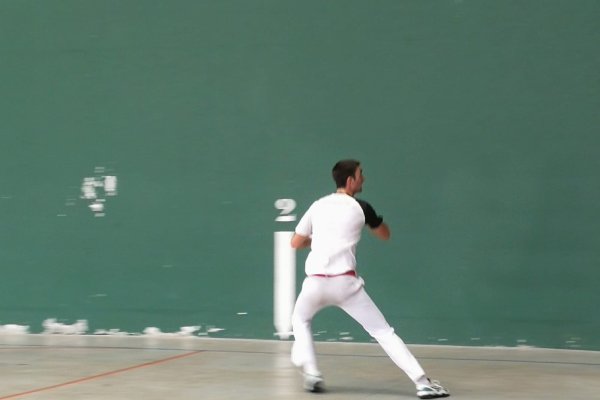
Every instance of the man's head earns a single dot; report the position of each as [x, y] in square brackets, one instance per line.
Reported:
[347, 175]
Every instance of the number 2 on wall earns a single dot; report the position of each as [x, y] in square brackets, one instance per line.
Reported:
[285, 207]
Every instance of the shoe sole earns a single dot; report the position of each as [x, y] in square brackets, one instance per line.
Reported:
[434, 396]
[318, 387]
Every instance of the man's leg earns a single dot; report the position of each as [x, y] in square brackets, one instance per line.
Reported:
[303, 349]
[360, 307]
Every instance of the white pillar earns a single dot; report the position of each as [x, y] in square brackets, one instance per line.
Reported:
[284, 284]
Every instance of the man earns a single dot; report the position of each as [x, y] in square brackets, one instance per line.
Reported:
[331, 228]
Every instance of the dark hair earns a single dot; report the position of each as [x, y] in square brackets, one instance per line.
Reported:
[342, 170]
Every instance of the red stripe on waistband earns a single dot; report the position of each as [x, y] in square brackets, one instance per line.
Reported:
[351, 273]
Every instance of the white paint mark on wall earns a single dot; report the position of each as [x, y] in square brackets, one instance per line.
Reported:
[111, 332]
[96, 189]
[12, 329]
[110, 185]
[345, 336]
[97, 206]
[153, 331]
[183, 331]
[51, 326]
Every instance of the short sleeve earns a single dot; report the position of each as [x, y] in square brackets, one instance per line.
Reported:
[371, 217]
[304, 227]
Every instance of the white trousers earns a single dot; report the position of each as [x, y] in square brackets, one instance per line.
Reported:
[346, 292]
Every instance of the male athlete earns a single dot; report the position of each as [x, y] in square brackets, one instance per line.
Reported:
[331, 228]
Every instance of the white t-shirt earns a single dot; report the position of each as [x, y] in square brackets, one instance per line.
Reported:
[335, 224]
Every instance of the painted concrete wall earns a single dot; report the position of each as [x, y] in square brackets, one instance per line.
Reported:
[143, 145]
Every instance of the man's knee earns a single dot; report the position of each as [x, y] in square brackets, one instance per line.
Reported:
[382, 333]
[298, 320]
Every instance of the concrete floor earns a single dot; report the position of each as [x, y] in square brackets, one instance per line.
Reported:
[59, 367]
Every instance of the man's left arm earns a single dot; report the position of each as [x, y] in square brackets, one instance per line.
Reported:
[382, 231]
[374, 221]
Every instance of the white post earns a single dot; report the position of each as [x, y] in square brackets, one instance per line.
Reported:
[284, 284]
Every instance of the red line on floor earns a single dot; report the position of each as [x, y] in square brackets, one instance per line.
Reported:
[102, 375]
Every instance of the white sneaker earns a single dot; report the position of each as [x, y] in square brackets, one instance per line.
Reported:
[313, 383]
[431, 391]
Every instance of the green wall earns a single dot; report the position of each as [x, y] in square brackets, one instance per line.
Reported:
[476, 122]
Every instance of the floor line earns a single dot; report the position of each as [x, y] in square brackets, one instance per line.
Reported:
[102, 375]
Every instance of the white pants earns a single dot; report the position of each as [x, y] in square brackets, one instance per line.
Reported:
[347, 293]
